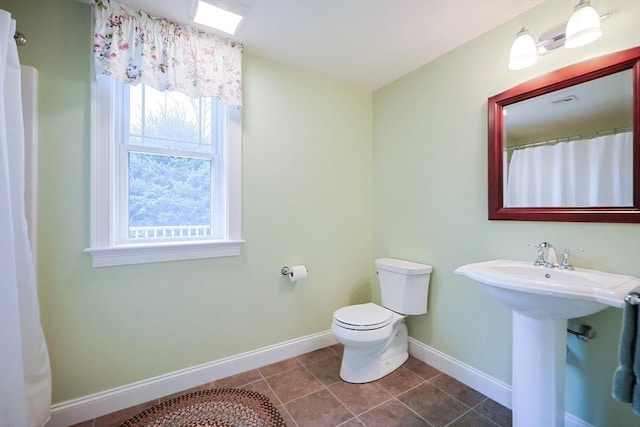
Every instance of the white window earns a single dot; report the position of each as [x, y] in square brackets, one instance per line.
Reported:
[165, 176]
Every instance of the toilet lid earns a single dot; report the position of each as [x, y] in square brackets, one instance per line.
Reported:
[363, 316]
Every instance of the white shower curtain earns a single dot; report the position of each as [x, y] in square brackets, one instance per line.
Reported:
[589, 172]
[25, 376]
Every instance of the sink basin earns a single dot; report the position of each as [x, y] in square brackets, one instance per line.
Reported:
[550, 293]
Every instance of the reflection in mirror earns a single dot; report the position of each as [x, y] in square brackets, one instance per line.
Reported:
[565, 146]
[572, 147]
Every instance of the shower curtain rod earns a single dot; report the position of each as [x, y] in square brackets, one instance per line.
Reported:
[20, 38]
[572, 138]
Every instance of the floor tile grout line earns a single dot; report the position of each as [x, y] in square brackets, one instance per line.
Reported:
[378, 405]
[412, 388]
[456, 398]
[281, 372]
[342, 403]
[282, 403]
[349, 420]
[262, 378]
[458, 417]
[469, 408]
[475, 405]
[357, 416]
[424, 363]
[303, 396]
[479, 403]
[327, 387]
[487, 399]
[301, 365]
[415, 412]
[334, 351]
[469, 411]
[317, 360]
[436, 376]
[278, 397]
[315, 376]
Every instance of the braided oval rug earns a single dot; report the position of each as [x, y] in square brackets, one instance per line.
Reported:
[220, 407]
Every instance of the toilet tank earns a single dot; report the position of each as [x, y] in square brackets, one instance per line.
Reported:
[404, 285]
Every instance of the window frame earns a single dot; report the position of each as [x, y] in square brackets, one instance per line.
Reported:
[106, 248]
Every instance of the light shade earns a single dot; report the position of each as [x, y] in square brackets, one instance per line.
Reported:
[215, 17]
[583, 26]
[523, 51]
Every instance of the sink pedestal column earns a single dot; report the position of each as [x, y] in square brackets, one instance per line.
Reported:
[539, 356]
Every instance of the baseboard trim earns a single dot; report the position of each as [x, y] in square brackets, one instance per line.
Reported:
[485, 384]
[571, 420]
[88, 407]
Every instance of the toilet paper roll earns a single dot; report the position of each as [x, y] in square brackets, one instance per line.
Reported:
[297, 272]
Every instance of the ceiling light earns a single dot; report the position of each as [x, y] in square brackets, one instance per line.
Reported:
[583, 26]
[215, 17]
[523, 51]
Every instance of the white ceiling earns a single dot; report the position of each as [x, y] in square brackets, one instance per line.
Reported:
[365, 43]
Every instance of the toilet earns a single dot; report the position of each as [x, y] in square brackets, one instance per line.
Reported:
[375, 337]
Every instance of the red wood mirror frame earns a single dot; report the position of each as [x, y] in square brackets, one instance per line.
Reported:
[563, 78]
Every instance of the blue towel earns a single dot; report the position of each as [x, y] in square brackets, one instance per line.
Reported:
[636, 366]
[625, 379]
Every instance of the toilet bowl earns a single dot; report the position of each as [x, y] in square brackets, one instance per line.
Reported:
[373, 348]
[375, 338]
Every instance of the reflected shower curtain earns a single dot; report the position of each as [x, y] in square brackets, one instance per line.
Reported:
[25, 377]
[589, 172]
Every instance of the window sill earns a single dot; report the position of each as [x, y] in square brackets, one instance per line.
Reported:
[162, 252]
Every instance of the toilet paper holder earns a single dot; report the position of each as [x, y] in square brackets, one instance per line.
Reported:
[286, 270]
[295, 272]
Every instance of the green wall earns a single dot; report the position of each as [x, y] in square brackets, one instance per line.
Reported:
[430, 204]
[306, 199]
[313, 150]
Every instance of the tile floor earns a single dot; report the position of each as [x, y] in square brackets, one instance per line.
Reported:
[308, 392]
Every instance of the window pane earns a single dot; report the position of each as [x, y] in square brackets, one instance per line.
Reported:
[170, 120]
[169, 196]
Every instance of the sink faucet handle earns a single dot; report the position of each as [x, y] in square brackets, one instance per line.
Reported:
[566, 263]
[541, 245]
[540, 248]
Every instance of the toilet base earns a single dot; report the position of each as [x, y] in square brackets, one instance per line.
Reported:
[363, 365]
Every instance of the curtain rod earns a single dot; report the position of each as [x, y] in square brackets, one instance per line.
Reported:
[20, 38]
[572, 138]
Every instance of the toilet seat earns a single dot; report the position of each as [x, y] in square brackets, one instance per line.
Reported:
[363, 317]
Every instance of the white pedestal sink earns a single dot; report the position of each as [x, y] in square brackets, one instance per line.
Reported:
[542, 299]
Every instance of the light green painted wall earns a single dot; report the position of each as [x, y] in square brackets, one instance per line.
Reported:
[306, 199]
[430, 204]
[308, 163]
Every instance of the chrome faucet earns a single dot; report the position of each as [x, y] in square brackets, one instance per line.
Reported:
[545, 255]
[566, 263]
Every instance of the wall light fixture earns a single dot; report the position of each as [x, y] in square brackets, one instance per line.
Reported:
[582, 28]
[524, 51]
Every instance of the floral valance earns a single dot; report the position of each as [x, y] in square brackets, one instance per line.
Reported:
[134, 47]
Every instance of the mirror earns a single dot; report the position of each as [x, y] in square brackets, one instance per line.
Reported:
[566, 146]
